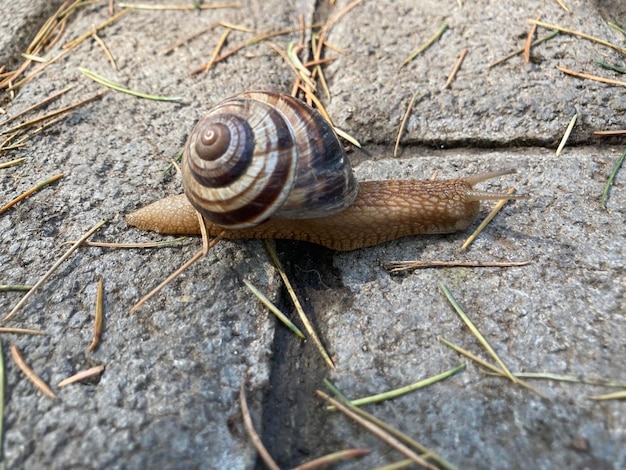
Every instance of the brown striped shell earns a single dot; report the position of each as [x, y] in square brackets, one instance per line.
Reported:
[261, 155]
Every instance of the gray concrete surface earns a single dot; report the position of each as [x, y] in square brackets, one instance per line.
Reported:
[168, 398]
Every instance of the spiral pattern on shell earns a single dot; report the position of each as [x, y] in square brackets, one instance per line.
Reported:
[261, 155]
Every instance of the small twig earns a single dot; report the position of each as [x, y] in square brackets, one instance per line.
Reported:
[456, 68]
[568, 131]
[405, 118]
[45, 277]
[610, 133]
[256, 440]
[141, 6]
[22, 331]
[596, 78]
[397, 266]
[97, 332]
[30, 373]
[162, 244]
[31, 191]
[82, 375]
[529, 40]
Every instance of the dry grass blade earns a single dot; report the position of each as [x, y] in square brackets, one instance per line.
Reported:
[17, 161]
[54, 24]
[609, 183]
[456, 68]
[30, 373]
[22, 331]
[82, 375]
[43, 102]
[106, 50]
[53, 113]
[274, 309]
[332, 458]
[256, 440]
[14, 287]
[377, 431]
[45, 277]
[610, 133]
[345, 136]
[500, 204]
[206, 246]
[216, 52]
[428, 43]
[163, 244]
[97, 330]
[475, 331]
[579, 34]
[562, 5]
[310, 84]
[521, 51]
[122, 89]
[489, 366]
[406, 389]
[568, 131]
[145, 6]
[303, 318]
[189, 38]
[568, 378]
[427, 453]
[398, 266]
[588, 76]
[615, 68]
[66, 50]
[610, 396]
[31, 191]
[405, 118]
[529, 40]
[72, 44]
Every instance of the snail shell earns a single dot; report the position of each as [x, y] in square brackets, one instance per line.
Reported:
[261, 155]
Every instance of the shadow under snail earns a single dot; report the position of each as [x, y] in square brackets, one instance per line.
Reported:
[266, 165]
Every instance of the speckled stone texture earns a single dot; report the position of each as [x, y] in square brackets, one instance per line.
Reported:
[169, 395]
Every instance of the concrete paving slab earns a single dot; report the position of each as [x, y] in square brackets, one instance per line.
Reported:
[169, 395]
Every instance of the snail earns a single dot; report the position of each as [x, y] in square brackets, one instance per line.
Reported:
[266, 165]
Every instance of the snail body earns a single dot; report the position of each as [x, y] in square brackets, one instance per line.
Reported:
[295, 182]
